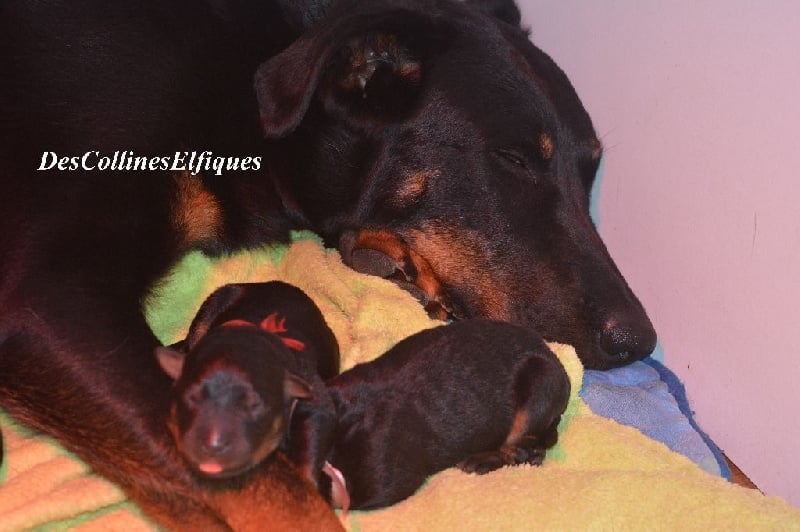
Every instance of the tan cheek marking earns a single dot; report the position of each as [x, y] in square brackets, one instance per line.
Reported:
[426, 277]
[546, 146]
[398, 250]
[457, 260]
[196, 215]
[412, 187]
[385, 242]
[271, 442]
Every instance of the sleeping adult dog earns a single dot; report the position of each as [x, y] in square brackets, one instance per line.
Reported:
[429, 139]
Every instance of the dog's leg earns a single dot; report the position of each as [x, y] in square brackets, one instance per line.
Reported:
[90, 381]
[275, 497]
[110, 418]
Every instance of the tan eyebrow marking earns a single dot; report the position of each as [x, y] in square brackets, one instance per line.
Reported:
[412, 187]
[546, 146]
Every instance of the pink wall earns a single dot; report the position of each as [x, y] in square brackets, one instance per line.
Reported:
[698, 105]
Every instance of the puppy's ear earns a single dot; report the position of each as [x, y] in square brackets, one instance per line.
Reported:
[170, 360]
[295, 387]
[366, 64]
[214, 305]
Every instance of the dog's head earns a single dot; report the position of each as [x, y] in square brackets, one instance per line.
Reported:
[437, 146]
[231, 400]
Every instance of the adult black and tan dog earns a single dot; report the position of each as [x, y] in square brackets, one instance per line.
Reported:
[429, 139]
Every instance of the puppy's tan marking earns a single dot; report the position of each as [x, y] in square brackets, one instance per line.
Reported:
[270, 443]
[196, 215]
[518, 427]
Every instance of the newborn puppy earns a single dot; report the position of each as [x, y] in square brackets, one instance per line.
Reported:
[476, 394]
[253, 351]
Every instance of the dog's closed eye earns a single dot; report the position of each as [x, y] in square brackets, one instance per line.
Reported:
[512, 157]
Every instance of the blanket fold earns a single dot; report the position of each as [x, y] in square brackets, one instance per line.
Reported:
[601, 474]
[638, 395]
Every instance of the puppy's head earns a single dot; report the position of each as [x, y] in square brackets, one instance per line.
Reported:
[232, 399]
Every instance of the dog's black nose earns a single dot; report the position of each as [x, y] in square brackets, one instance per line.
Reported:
[626, 341]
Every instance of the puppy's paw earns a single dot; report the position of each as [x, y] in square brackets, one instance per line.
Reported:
[532, 449]
[482, 463]
[532, 456]
[507, 455]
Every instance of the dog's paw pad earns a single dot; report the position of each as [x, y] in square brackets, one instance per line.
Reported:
[533, 457]
[483, 463]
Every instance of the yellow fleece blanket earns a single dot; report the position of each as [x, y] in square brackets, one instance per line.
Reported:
[600, 476]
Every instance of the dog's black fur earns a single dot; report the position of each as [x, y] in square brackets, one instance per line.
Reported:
[476, 393]
[464, 164]
[429, 139]
[253, 351]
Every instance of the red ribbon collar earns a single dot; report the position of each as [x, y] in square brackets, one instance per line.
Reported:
[271, 324]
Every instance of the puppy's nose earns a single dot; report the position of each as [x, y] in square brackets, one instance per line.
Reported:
[625, 341]
[216, 443]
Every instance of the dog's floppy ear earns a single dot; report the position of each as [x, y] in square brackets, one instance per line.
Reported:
[285, 84]
[366, 65]
[217, 303]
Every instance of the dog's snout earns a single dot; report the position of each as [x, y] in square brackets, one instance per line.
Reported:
[625, 341]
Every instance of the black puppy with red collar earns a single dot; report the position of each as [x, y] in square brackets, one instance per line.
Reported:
[254, 357]
[476, 394]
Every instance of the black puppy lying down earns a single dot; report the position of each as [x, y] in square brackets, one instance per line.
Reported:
[476, 394]
[252, 351]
